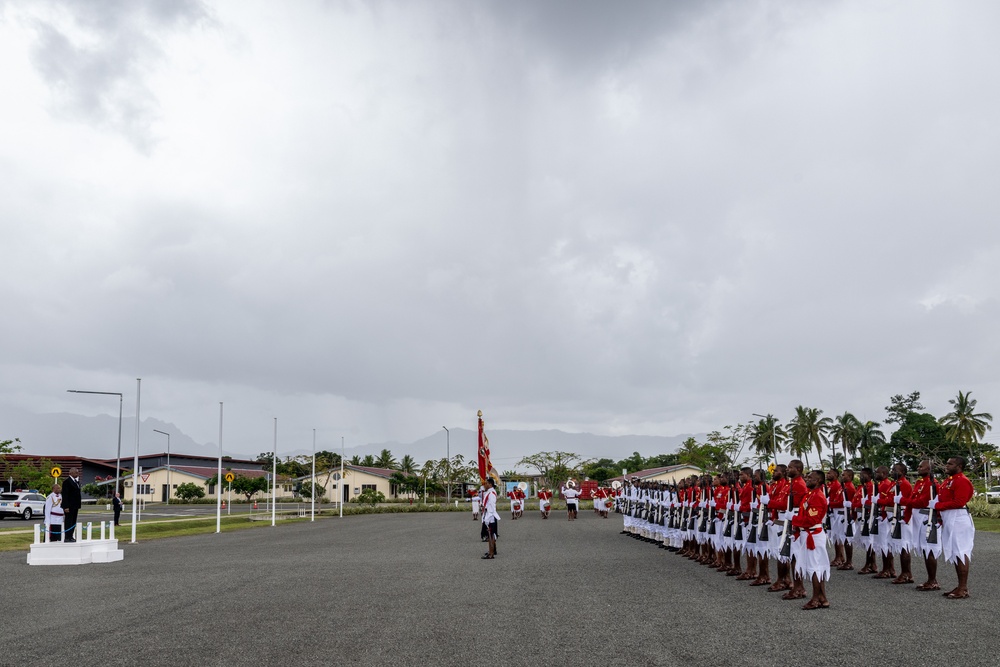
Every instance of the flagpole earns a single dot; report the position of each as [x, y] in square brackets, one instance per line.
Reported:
[218, 479]
[274, 475]
[312, 493]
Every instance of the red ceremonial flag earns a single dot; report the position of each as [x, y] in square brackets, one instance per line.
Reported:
[485, 465]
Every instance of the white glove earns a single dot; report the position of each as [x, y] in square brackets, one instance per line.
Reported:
[932, 503]
[754, 505]
[765, 499]
[898, 498]
[732, 506]
[847, 504]
[711, 503]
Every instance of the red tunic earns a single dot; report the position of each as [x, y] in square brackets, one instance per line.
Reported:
[721, 497]
[779, 498]
[799, 491]
[746, 495]
[920, 495]
[954, 493]
[812, 509]
[849, 491]
[836, 493]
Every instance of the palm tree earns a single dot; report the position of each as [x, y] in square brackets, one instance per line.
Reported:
[766, 437]
[355, 460]
[368, 461]
[408, 464]
[808, 431]
[870, 439]
[385, 460]
[845, 433]
[964, 425]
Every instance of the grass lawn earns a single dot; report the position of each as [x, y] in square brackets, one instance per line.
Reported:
[152, 529]
[987, 524]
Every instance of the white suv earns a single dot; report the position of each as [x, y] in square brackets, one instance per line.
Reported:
[993, 493]
[24, 504]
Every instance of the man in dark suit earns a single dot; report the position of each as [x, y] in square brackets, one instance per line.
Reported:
[118, 507]
[71, 503]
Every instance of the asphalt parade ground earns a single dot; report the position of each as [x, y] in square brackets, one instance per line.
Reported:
[411, 589]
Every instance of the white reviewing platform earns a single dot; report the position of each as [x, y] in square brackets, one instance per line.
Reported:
[82, 552]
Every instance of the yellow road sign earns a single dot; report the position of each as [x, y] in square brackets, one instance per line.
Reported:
[56, 472]
[230, 476]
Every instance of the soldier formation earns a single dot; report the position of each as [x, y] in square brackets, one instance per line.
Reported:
[738, 522]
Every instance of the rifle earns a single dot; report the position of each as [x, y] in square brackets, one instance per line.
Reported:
[736, 512]
[786, 535]
[752, 537]
[704, 515]
[865, 510]
[762, 521]
[728, 518]
[897, 517]
[932, 529]
[692, 517]
[873, 529]
[849, 528]
[703, 528]
[826, 520]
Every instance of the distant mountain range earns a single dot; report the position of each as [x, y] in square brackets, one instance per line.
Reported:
[67, 434]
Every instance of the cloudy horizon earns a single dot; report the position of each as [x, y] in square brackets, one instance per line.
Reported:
[375, 218]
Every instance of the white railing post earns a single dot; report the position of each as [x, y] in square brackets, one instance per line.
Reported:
[90, 528]
[102, 531]
[111, 528]
[37, 533]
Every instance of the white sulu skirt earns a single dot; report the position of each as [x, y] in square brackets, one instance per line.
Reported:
[811, 561]
[957, 535]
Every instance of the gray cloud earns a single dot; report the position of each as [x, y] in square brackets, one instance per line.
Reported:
[653, 221]
[97, 56]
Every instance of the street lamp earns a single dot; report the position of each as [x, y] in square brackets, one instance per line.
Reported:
[448, 438]
[118, 464]
[169, 488]
[774, 445]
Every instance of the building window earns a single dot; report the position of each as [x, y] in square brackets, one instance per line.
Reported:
[144, 489]
[367, 486]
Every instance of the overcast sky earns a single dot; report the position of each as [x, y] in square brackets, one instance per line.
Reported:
[376, 218]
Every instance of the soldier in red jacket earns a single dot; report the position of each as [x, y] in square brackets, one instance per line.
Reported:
[811, 561]
[838, 526]
[797, 491]
[957, 530]
[777, 503]
[901, 546]
[917, 504]
[851, 497]
[544, 502]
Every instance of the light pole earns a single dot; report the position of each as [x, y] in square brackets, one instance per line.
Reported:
[312, 491]
[118, 464]
[340, 487]
[274, 475]
[156, 430]
[218, 479]
[774, 427]
[448, 439]
[135, 464]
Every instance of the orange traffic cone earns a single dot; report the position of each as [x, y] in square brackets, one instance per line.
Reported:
[223, 504]
[255, 504]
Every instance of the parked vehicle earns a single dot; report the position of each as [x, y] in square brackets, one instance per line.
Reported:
[24, 504]
[993, 493]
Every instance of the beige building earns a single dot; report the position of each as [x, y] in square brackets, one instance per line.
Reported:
[355, 480]
[668, 474]
[157, 484]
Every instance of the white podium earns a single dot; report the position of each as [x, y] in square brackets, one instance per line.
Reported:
[82, 552]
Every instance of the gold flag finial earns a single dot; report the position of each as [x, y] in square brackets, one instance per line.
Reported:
[480, 414]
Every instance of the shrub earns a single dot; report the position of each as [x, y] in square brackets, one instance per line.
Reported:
[189, 491]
